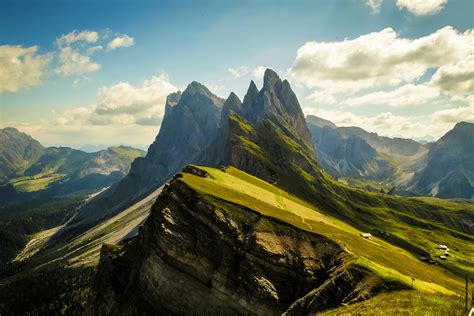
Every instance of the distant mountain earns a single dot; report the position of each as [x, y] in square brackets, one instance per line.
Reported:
[383, 144]
[29, 167]
[442, 168]
[17, 150]
[449, 169]
[345, 154]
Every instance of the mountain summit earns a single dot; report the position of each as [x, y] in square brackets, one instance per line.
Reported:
[277, 102]
[190, 122]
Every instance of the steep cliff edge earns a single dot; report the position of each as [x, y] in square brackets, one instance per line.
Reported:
[204, 255]
[190, 122]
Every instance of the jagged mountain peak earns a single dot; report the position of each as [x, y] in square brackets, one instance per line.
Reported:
[197, 88]
[270, 79]
[197, 97]
[231, 105]
[171, 101]
[252, 93]
[233, 98]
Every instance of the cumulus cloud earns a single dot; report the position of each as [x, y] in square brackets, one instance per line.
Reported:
[21, 67]
[77, 36]
[125, 104]
[458, 78]
[93, 49]
[453, 116]
[121, 41]
[80, 81]
[322, 97]
[374, 5]
[72, 62]
[405, 95]
[258, 72]
[79, 135]
[375, 59]
[422, 7]
[386, 123]
[76, 47]
[238, 71]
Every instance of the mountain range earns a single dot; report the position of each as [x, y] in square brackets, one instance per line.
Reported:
[29, 169]
[442, 168]
[231, 211]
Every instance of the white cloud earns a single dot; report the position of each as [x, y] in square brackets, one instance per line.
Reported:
[374, 5]
[258, 72]
[453, 116]
[239, 71]
[377, 59]
[94, 49]
[79, 135]
[405, 95]
[76, 36]
[80, 81]
[72, 62]
[21, 67]
[386, 124]
[322, 97]
[422, 7]
[121, 41]
[124, 104]
[458, 78]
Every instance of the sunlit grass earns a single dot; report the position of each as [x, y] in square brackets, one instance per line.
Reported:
[41, 182]
[240, 188]
[404, 303]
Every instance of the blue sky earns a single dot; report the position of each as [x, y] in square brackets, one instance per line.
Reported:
[222, 44]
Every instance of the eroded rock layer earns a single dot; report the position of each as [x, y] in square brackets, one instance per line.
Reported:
[199, 256]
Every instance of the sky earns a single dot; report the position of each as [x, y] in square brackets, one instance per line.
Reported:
[98, 72]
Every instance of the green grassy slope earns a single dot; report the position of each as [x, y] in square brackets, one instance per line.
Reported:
[384, 258]
[59, 165]
[417, 225]
[403, 303]
[17, 151]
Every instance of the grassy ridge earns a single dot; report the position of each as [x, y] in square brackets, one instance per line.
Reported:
[403, 303]
[242, 189]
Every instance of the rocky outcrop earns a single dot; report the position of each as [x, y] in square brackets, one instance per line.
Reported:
[197, 257]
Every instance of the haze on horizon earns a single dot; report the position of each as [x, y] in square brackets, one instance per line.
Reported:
[72, 75]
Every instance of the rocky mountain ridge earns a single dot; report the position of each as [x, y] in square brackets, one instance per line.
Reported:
[440, 169]
[236, 262]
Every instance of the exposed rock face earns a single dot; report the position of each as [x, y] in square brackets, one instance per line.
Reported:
[278, 103]
[190, 123]
[265, 134]
[192, 257]
[449, 169]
